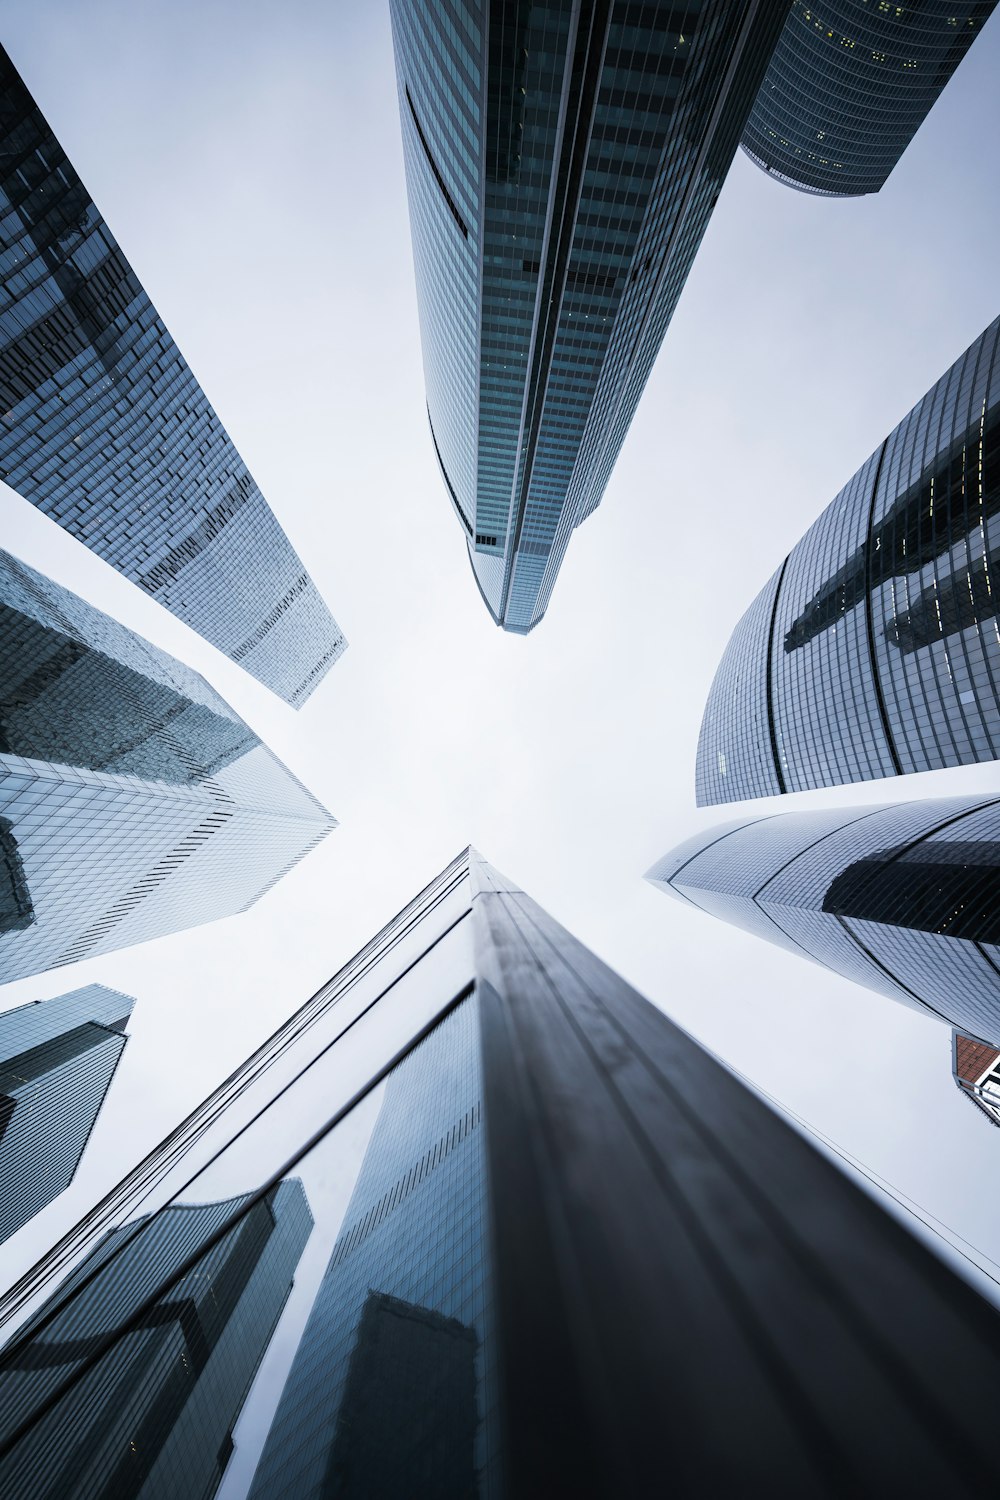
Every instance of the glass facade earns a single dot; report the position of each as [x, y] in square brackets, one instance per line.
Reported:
[138, 1366]
[133, 800]
[396, 1254]
[849, 86]
[562, 165]
[875, 650]
[104, 427]
[57, 1059]
[390, 1392]
[903, 899]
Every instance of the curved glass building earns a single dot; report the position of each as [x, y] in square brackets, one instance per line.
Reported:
[874, 650]
[562, 163]
[904, 899]
[133, 800]
[849, 86]
[104, 427]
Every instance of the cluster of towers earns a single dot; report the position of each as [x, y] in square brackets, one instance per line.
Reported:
[478, 1220]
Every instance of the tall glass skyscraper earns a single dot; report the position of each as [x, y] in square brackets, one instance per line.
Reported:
[57, 1059]
[874, 650]
[105, 429]
[849, 86]
[143, 1358]
[539, 1266]
[562, 164]
[904, 899]
[133, 800]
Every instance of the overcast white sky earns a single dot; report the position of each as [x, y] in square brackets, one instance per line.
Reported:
[247, 156]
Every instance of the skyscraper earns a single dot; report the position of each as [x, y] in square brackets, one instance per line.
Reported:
[849, 86]
[57, 1059]
[904, 899]
[145, 1388]
[133, 800]
[874, 650]
[975, 1068]
[539, 1266]
[105, 429]
[562, 163]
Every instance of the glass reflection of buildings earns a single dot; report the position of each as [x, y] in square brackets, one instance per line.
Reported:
[57, 1060]
[904, 899]
[390, 1392]
[850, 84]
[142, 1390]
[133, 800]
[557, 1273]
[874, 650]
[104, 427]
[562, 164]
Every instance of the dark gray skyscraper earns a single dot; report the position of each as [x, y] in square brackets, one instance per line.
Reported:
[562, 163]
[57, 1058]
[874, 650]
[904, 899]
[153, 1357]
[133, 800]
[540, 1266]
[849, 86]
[105, 429]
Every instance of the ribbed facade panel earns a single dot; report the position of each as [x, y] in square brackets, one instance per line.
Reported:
[104, 427]
[849, 85]
[133, 800]
[882, 653]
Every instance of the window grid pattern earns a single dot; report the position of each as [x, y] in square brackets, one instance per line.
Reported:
[154, 1415]
[439, 51]
[885, 638]
[599, 159]
[903, 899]
[57, 1058]
[104, 427]
[133, 800]
[849, 85]
[734, 744]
